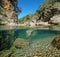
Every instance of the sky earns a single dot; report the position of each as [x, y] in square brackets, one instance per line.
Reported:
[28, 6]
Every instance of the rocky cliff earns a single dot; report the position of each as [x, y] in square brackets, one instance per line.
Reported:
[45, 14]
[8, 11]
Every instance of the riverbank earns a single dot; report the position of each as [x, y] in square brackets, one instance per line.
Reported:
[22, 26]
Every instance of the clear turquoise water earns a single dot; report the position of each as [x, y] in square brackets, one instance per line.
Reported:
[39, 39]
[26, 33]
[34, 34]
[29, 33]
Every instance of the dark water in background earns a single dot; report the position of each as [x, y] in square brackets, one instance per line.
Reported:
[7, 37]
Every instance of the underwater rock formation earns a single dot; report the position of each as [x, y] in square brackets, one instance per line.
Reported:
[29, 32]
[20, 43]
[56, 42]
[6, 39]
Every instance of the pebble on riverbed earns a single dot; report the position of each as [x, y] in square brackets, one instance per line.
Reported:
[40, 48]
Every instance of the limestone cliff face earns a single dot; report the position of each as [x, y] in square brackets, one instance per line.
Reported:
[9, 11]
[45, 14]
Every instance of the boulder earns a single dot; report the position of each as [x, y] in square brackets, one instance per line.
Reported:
[20, 43]
[56, 42]
[6, 38]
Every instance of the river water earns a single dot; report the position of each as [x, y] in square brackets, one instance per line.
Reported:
[35, 36]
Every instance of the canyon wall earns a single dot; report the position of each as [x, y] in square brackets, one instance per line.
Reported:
[8, 12]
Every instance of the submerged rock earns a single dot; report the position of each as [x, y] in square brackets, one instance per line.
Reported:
[56, 42]
[20, 43]
[6, 39]
[7, 53]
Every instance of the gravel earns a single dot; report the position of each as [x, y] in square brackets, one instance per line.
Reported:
[38, 48]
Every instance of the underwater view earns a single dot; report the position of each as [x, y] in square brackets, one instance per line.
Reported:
[29, 28]
[28, 42]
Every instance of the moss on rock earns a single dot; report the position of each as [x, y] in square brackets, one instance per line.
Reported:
[56, 42]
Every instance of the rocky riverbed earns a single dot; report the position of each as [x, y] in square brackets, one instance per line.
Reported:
[38, 48]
